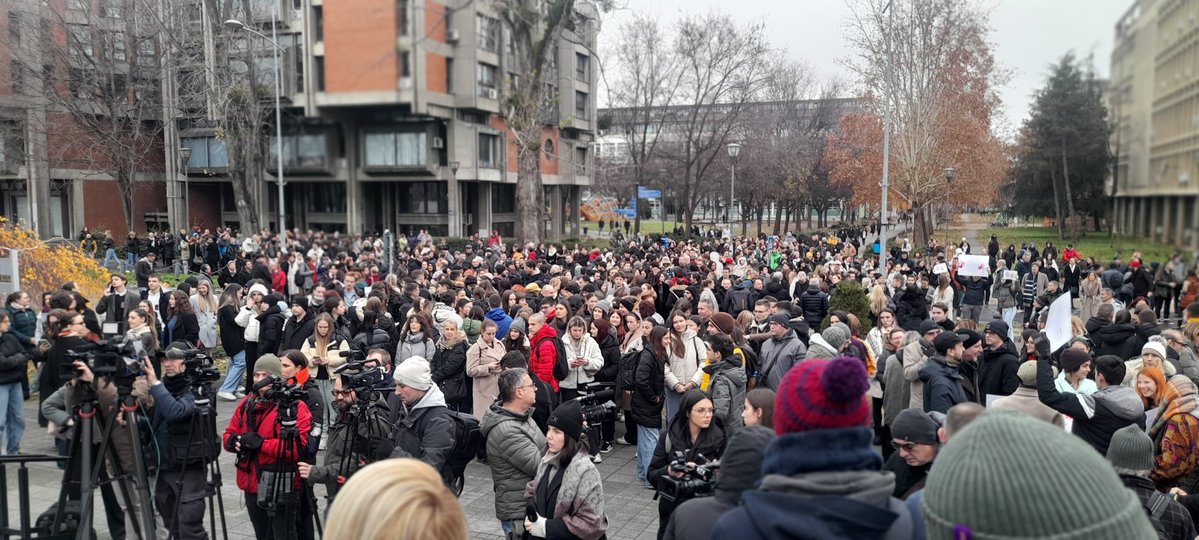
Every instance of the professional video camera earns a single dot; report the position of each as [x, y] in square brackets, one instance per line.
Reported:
[353, 356]
[115, 358]
[284, 394]
[597, 404]
[696, 480]
[199, 366]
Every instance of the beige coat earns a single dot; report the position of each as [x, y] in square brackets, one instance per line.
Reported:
[1088, 303]
[486, 381]
[1025, 400]
[332, 354]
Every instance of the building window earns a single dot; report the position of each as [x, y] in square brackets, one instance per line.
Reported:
[14, 28]
[82, 83]
[488, 31]
[80, 41]
[549, 150]
[489, 151]
[486, 81]
[17, 77]
[114, 46]
[423, 198]
[318, 23]
[581, 161]
[582, 67]
[207, 152]
[503, 198]
[76, 5]
[396, 149]
[111, 9]
[327, 198]
[581, 105]
[145, 53]
[301, 151]
[319, 67]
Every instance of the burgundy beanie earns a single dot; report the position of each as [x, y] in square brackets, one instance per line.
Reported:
[822, 394]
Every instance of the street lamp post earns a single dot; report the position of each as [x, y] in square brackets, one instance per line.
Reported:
[949, 171]
[734, 150]
[457, 202]
[274, 40]
[662, 200]
[185, 155]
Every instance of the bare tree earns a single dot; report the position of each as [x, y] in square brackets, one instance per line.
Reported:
[723, 67]
[645, 82]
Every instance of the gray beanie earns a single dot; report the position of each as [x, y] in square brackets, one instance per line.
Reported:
[1131, 449]
[1009, 475]
[414, 372]
[836, 335]
[270, 364]
[916, 426]
[518, 323]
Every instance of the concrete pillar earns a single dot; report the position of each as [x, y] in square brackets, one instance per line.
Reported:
[556, 212]
[483, 213]
[1179, 218]
[454, 202]
[1162, 218]
[575, 214]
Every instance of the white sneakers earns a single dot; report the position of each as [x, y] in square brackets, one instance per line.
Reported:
[226, 396]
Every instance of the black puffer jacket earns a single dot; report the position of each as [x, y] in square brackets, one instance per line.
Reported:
[1116, 339]
[912, 309]
[649, 390]
[677, 438]
[270, 330]
[376, 339]
[610, 350]
[814, 303]
[997, 374]
[14, 361]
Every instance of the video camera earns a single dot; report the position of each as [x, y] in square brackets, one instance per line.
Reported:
[111, 358]
[199, 367]
[597, 405]
[282, 393]
[355, 375]
[697, 480]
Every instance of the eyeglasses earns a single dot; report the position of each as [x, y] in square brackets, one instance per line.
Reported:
[906, 447]
[343, 392]
[703, 410]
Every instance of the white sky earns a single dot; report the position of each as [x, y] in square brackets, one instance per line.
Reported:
[1029, 35]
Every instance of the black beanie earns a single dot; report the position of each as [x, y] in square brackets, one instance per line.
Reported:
[568, 418]
[915, 426]
[1072, 359]
[741, 466]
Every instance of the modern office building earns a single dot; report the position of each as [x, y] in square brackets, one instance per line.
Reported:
[1154, 105]
[392, 117]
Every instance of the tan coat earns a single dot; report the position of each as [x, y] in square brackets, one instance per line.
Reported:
[486, 381]
[1025, 400]
[1088, 303]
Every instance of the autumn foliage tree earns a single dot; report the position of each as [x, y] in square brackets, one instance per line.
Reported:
[930, 62]
[46, 267]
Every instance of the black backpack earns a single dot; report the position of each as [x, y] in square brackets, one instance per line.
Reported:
[1155, 508]
[468, 442]
[562, 364]
[738, 301]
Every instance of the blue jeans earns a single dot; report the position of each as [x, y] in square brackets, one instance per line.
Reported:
[12, 418]
[674, 400]
[507, 526]
[237, 366]
[130, 259]
[110, 254]
[647, 441]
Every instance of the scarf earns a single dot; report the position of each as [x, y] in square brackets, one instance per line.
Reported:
[1179, 398]
[175, 383]
[415, 337]
[444, 344]
[301, 377]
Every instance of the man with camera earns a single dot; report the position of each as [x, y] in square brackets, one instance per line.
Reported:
[183, 452]
[361, 434]
[268, 432]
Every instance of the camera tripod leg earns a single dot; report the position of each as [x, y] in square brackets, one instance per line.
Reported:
[129, 409]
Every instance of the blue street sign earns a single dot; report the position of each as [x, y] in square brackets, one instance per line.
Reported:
[643, 193]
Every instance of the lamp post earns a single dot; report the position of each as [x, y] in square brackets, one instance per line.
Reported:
[949, 171]
[185, 155]
[734, 150]
[274, 40]
[662, 200]
[457, 201]
[883, 221]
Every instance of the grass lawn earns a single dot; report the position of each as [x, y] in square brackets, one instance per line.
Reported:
[1098, 245]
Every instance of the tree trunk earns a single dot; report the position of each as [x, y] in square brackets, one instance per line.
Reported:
[243, 200]
[1057, 203]
[921, 232]
[1066, 182]
[128, 197]
[530, 224]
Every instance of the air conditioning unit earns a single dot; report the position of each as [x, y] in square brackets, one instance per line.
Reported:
[492, 93]
[453, 35]
[438, 143]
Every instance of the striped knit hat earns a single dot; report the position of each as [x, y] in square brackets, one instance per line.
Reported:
[1008, 475]
[822, 394]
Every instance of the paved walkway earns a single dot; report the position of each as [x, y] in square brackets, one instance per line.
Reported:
[632, 514]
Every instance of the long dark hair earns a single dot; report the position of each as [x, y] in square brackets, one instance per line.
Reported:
[571, 448]
[655, 342]
[762, 399]
[182, 303]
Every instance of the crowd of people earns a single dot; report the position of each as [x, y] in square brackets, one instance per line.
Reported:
[736, 356]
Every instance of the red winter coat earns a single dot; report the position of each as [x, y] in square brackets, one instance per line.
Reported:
[543, 354]
[279, 282]
[265, 417]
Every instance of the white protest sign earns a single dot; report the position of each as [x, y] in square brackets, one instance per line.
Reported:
[940, 268]
[1010, 275]
[974, 265]
[1057, 324]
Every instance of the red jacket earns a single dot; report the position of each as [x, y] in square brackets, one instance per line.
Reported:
[1070, 253]
[543, 354]
[279, 282]
[265, 418]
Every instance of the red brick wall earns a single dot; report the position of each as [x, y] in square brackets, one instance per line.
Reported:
[435, 73]
[548, 166]
[360, 46]
[102, 208]
[205, 204]
[435, 21]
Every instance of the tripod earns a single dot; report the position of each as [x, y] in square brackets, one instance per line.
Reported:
[207, 434]
[281, 480]
[89, 461]
[357, 443]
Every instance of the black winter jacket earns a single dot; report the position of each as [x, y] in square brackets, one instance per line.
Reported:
[610, 350]
[912, 309]
[14, 361]
[942, 385]
[294, 334]
[814, 303]
[1116, 339]
[649, 390]
[187, 329]
[997, 374]
[270, 330]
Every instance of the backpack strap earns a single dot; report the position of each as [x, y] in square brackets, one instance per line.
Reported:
[1157, 504]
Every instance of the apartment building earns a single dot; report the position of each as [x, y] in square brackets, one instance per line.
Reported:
[392, 118]
[1154, 106]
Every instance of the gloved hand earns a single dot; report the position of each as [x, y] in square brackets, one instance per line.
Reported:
[231, 443]
[536, 528]
[380, 447]
[251, 441]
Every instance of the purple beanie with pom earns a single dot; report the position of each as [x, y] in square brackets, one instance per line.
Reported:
[822, 394]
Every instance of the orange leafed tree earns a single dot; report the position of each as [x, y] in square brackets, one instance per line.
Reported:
[931, 64]
[46, 267]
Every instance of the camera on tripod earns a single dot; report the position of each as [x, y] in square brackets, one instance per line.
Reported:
[115, 358]
[696, 481]
[200, 367]
[597, 404]
[356, 376]
[284, 394]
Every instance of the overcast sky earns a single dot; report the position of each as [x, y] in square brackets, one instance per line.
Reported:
[1029, 35]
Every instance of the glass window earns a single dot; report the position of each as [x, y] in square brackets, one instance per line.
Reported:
[503, 198]
[423, 198]
[581, 105]
[489, 150]
[145, 52]
[404, 149]
[114, 45]
[302, 151]
[488, 32]
[549, 150]
[486, 78]
[111, 9]
[581, 67]
[328, 198]
[80, 38]
[581, 160]
[207, 152]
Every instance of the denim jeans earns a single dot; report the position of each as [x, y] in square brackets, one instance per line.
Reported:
[674, 400]
[237, 366]
[647, 441]
[12, 418]
[130, 259]
[1009, 315]
[110, 254]
[507, 526]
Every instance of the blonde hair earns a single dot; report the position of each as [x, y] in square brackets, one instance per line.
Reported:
[1077, 328]
[396, 499]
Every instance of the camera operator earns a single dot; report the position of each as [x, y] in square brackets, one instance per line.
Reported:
[694, 437]
[182, 477]
[739, 471]
[566, 497]
[355, 434]
[256, 436]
